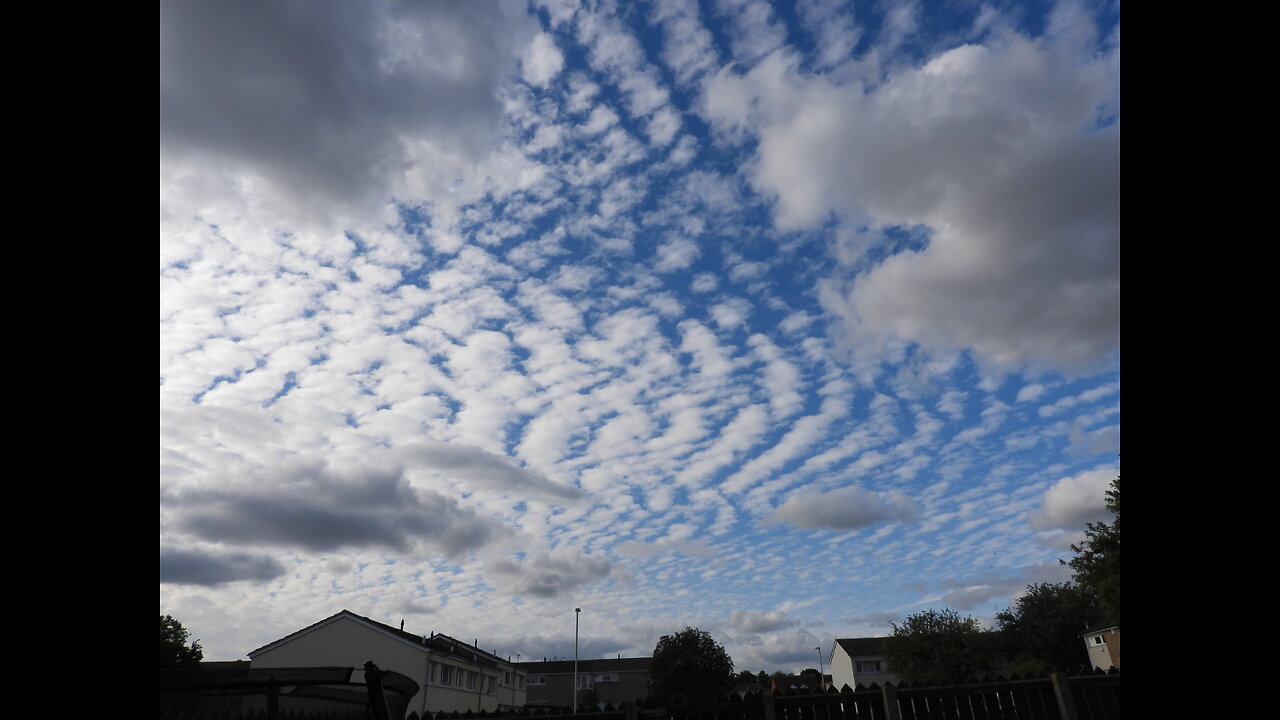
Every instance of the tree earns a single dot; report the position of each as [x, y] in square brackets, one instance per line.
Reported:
[1096, 565]
[1042, 629]
[174, 651]
[690, 664]
[939, 645]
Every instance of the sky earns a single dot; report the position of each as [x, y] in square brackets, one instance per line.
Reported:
[783, 321]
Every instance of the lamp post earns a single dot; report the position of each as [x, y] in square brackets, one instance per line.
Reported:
[822, 682]
[577, 613]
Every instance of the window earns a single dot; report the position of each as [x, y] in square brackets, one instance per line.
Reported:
[537, 680]
[584, 682]
[868, 666]
[488, 685]
[447, 674]
[471, 680]
[607, 677]
[1097, 640]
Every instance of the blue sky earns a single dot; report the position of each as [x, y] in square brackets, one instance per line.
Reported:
[782, 321]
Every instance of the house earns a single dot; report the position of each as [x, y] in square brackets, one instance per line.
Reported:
[615, 680]
[454, 675]
[859, 661]
[1103, 643]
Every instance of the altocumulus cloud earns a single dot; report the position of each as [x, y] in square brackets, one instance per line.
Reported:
[844, 509]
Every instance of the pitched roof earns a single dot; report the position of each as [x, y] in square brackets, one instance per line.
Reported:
[435, 642]
[860, 647]
[594, 665]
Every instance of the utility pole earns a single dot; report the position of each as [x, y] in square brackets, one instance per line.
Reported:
[822, 675]
[577, 613]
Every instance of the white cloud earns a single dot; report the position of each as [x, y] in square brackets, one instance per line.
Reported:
[542, 60]
[996, 151]
[687, 48]
[1074, 501]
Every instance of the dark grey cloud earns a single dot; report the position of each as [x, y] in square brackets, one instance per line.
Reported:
[758, 621]
[844, 509]
[470, 463]
[193, 567]
[322, 96]
[309, 508]
[968, 598]
[968, 593]
[549, 574]
[883, 619]
[594, 643]
[409, 606]
[789, 651]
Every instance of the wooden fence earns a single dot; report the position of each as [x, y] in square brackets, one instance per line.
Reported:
[1053, 697]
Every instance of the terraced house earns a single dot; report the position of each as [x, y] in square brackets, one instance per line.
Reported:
[607, 680]
[453, 675]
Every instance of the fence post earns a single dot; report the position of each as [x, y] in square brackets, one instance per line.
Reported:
[766, 705]
[1062, 693]
[273, 699]
[890, 695]
[373, 686]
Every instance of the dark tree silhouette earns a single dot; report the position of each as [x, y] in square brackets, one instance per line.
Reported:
[1097, 562]
[1042, 629]
[939, 645]
[690, 664]
[174, 650]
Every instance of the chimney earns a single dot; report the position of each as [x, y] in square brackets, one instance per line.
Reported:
[401, 624]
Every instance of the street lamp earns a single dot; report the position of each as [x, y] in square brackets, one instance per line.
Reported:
[577, 612]
[822, 675]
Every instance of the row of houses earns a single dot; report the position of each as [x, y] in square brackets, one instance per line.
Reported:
[456, 676]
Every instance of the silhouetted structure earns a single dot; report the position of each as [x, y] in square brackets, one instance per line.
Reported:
[214, 691]
[615, 680]
[453, 675]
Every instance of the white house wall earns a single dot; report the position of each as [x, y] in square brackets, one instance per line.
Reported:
[347, 642]
[841, 668]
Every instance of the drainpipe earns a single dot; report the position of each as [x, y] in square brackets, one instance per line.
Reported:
[426, 683]
[577, 612]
